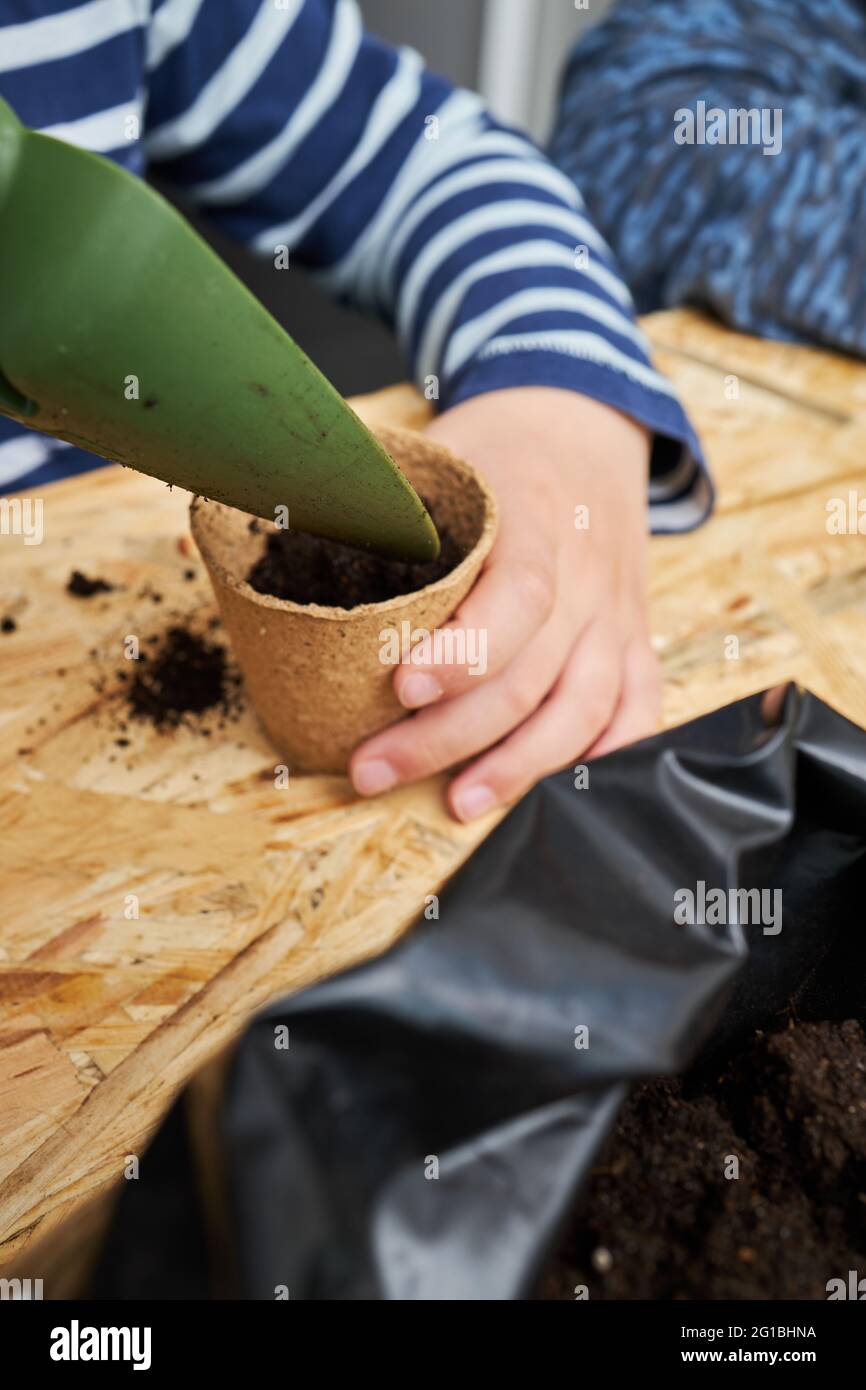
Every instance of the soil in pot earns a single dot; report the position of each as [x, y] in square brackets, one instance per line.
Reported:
[311, 569]
[660, 1219]
[319, 667]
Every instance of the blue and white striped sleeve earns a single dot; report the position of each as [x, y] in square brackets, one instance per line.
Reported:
[295, 129]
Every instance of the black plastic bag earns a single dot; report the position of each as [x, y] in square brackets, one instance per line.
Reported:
[427, 1130]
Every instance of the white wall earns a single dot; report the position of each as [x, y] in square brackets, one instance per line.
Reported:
[447, 32]
[512, 51]
[524, 46]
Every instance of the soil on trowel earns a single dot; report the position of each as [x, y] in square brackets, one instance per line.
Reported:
[311, 569]
[660, 1217]
[187, 676]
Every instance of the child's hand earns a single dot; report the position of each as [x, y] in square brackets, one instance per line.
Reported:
[570, 672]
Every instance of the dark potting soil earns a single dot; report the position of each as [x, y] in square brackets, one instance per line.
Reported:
[660, 1219]
[80, 586]
[310, 569]
[187, 676]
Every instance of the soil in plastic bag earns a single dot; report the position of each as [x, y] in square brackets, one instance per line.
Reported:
[744, 1182]
[424, 1126]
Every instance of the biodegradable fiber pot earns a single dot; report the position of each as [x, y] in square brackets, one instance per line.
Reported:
[315, 675]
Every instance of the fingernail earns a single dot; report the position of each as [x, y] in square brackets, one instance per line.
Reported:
[474, 801]
[419, 690]
[373, 777]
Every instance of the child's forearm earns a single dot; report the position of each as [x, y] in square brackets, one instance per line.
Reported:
[407, 196]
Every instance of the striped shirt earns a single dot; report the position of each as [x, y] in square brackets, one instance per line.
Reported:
[291, 127]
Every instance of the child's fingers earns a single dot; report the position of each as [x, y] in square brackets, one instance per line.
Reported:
[457, 729]
[570, 720]
[638, 713]
[508, 606]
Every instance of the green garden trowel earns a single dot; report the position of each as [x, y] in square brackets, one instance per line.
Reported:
[122, 332]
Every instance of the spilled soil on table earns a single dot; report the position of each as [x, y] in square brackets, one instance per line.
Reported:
[182, 674]
[188, 675]
[81, 585]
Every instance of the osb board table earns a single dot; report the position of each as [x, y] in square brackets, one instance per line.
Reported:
[246, 889]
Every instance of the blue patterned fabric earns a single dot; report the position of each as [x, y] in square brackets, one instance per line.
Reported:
[775, 243]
